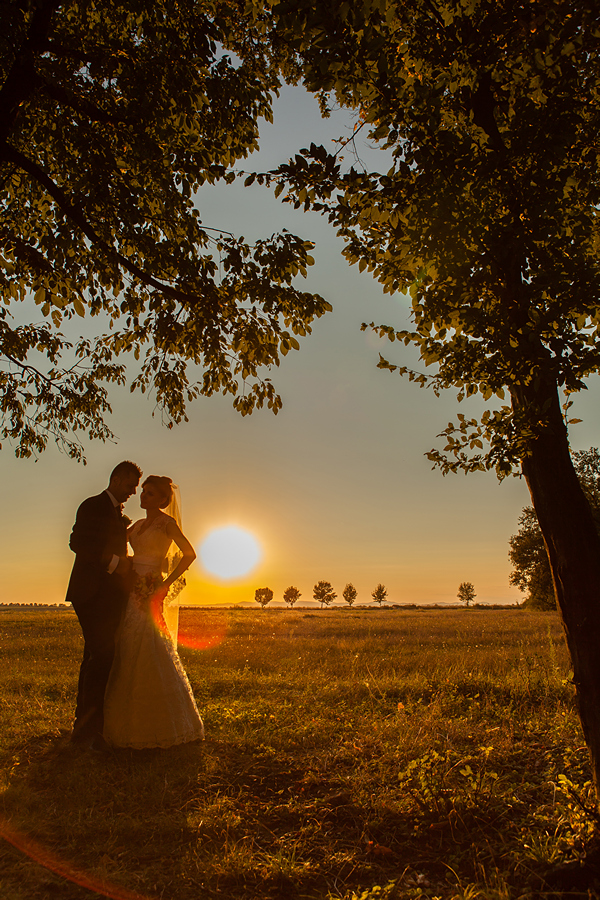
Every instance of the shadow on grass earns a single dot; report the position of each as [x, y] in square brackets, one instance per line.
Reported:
[214, 820]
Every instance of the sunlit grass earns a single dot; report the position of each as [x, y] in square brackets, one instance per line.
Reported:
[425, 753]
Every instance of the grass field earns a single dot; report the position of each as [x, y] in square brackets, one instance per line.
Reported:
[349, 754]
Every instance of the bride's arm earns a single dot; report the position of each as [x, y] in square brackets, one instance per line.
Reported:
[188, 553]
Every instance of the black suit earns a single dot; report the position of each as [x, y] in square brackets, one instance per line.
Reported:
[98, 598]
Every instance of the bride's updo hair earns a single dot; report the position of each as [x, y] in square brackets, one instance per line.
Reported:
[164, 486]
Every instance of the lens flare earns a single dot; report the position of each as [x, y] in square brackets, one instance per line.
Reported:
[61, 867]
[156, 611]
[199, 635]
[195, 632]
[230, 552]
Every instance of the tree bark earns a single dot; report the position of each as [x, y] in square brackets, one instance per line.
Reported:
[573, 547]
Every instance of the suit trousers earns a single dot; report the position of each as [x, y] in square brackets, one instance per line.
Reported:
[99, 623]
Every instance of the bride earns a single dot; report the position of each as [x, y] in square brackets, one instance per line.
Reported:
[148, 700]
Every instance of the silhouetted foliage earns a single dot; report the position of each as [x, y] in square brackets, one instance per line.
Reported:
[324, 593]
[379, 594]
[531, 573]
[477, 115]
[466, 593]
[113, 116]
[291, 595]
[349, 593]
[263, 596]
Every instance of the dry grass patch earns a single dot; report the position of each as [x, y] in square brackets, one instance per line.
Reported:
[429, 753]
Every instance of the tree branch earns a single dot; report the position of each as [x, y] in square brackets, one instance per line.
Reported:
[25, 251]
[435, 12]
[76, 214]
[483, 104]
[77, 104]
[25, 367]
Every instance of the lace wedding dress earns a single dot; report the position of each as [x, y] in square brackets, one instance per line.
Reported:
[148, 700]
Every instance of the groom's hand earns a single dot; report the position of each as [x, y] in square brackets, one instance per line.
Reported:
[123, 566]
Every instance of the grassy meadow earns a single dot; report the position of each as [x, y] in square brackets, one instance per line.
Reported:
[365, 753]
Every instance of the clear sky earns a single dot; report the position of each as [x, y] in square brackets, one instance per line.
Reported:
[335, 487]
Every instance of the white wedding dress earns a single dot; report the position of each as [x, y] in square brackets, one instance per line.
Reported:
[148, 700]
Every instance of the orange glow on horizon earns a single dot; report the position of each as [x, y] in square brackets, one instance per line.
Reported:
[202, 590]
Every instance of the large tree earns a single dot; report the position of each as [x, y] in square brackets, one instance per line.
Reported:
[488, 219]
[113, 115]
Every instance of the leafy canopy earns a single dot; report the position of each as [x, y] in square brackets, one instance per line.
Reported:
[349, 593]
[263, 596]
[531, 568]
[113, 116]
[379, 594]
[488, 216]
[291, 595]
[466, 593]
[324, 593]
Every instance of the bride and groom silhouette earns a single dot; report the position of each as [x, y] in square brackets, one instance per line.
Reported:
[133, 691]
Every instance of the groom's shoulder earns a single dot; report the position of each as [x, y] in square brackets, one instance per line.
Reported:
[97, 502]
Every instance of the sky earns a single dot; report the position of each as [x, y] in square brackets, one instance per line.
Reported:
[336, 487]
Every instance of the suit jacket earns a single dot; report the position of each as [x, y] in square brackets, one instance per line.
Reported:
[99, 533]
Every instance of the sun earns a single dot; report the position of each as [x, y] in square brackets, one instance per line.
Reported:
[230, 552]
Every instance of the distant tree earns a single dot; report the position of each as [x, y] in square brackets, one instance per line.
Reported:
[466, 593]
[531, 572]
[349, 593]
[324, 593]
[263, 596]
[528, 554]
[379, 594]
[291, 595]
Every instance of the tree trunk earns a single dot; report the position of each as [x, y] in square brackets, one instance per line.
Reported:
[573, 548]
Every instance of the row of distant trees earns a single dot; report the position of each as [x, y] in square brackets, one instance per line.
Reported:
[323, 592]
[528, 555]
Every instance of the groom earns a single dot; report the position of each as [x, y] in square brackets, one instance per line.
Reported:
[98, 591]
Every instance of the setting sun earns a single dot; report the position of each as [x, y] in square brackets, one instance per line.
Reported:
[230, 552]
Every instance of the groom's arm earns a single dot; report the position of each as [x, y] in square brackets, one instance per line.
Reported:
[90, 538]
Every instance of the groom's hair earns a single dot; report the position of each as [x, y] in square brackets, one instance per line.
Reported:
[126, 468]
